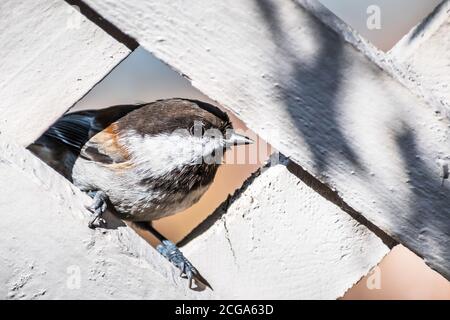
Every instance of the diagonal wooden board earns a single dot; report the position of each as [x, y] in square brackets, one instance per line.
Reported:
[317, 100]
[48, 252]
[425, 53]
[409, 60]
[51, 56]
[278, 238]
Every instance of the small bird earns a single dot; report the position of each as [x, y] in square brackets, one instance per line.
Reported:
[146, 161]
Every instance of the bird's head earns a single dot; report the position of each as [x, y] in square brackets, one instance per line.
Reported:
[178, 132]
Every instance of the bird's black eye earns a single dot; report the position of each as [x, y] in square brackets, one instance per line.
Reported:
[197, 129]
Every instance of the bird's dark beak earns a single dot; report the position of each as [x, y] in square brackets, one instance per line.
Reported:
[236, 139]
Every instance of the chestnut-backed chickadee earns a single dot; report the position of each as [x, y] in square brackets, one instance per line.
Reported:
[147, 161]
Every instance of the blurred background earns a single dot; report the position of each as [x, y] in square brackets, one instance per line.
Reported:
[143, 78]
[397, 17]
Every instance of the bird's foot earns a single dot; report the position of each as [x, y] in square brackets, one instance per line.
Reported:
[98, 207]
[171, 252]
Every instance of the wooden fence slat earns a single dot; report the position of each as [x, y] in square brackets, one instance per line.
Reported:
[425, 55]
[279, 239]
[316, 99]
[48, 252]
[409, 60]
[50, 57]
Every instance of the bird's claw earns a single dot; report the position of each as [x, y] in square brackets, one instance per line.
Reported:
[100, 222]
[98, 207]
[171, 252]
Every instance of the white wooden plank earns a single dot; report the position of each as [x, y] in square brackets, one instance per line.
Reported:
[425, 53]
[51, 56]
[279, 239]
[314, 98]
[352, 36]
[48, 252]
[420, 60]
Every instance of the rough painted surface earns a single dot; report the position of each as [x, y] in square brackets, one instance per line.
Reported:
[279, 239]
[315, 98]
[50, 57]
[420, 61]
[48, 252]
[425, 54]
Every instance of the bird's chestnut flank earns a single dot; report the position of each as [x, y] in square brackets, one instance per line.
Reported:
[144, 161]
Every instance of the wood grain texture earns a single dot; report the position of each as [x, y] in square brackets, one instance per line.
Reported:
[279, 239]
[315, 98]
[51, 56]
[48, 252]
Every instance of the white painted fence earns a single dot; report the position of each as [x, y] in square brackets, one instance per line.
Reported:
[347, 122]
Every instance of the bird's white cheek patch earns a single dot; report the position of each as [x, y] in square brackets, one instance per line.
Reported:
[166, 152]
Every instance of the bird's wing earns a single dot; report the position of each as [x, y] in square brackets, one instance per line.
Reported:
[105, 147]
[92, 134]
[73, 130]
